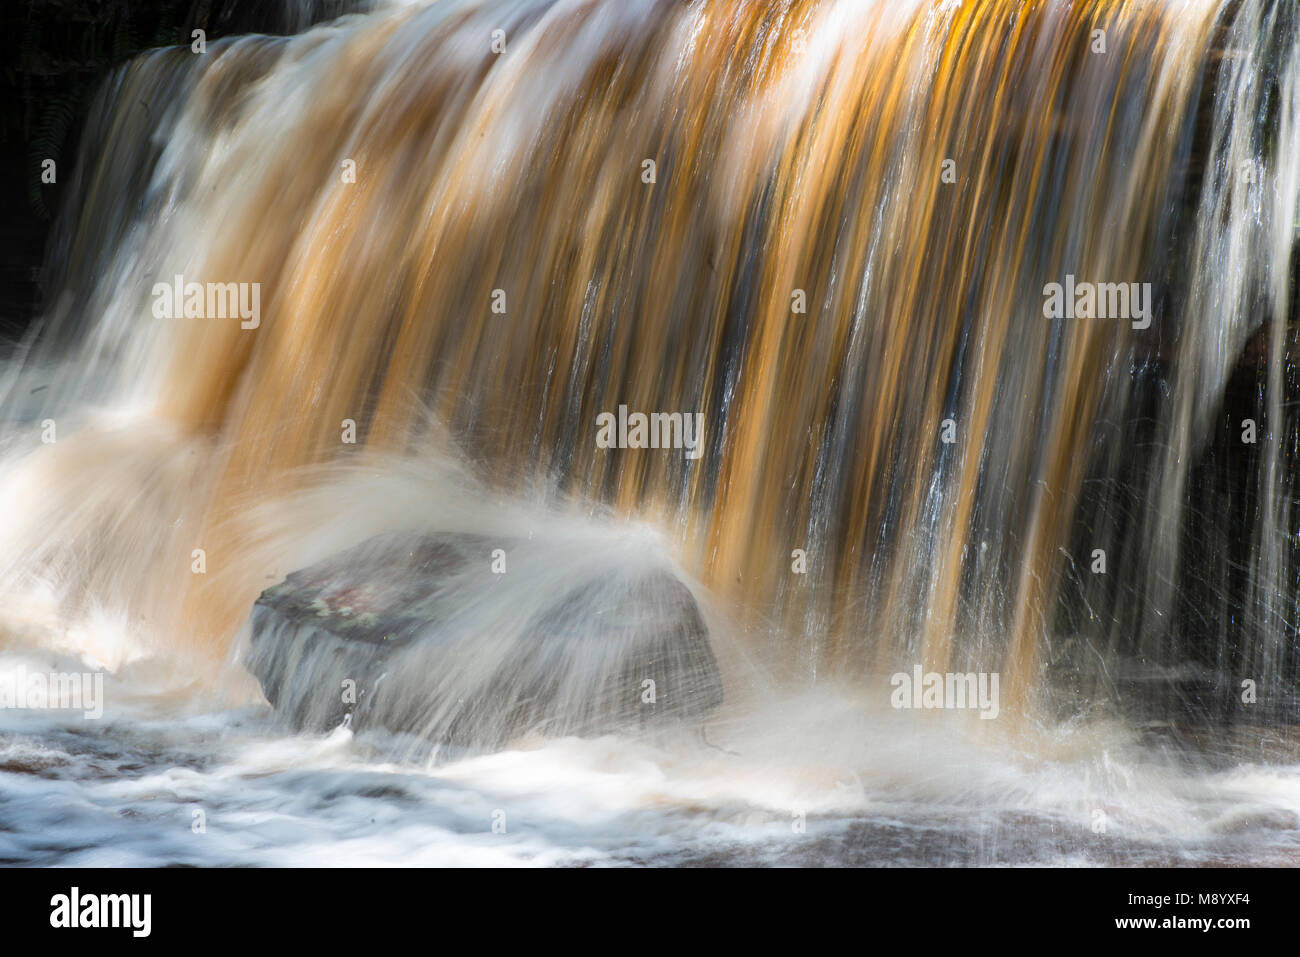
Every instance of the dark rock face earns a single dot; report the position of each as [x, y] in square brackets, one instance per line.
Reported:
[421, 635]
[57, 53]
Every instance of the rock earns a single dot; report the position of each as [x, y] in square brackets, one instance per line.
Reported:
[419, 634]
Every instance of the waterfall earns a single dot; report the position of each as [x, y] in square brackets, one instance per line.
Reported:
[957, 291]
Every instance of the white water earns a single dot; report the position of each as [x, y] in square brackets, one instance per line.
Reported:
[873, 788]
[871, 785]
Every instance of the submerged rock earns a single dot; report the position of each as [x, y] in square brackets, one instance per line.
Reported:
[467, 641]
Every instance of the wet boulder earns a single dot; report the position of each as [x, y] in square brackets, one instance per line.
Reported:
[471, 642]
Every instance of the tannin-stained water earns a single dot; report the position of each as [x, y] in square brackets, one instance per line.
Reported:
[826, 227]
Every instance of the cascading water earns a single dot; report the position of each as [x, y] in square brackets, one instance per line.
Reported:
[831, 229]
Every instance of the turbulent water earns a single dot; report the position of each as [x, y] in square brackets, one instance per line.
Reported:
[863, 787]
[829, 228]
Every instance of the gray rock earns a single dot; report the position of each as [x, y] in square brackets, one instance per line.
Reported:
[419, 635]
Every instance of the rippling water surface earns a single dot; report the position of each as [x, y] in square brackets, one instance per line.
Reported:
[873, 789]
